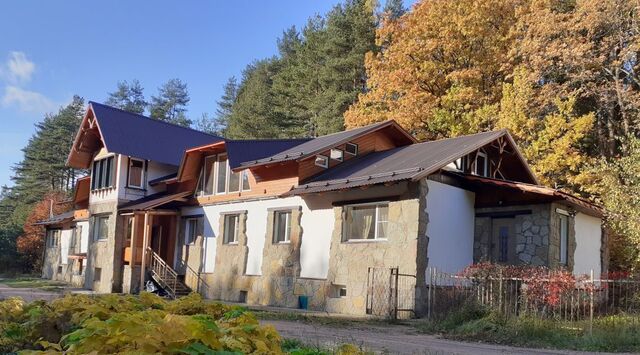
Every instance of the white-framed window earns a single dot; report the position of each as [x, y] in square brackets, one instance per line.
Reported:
[102, 173]
[246, 186]
[564, 238]
[221, 174]
[282, 226]
[100, 227]
[230, 228]
[351, 148]
[366, 221]
[337, 154]
[190, 230]
[136, 173]
[322, 161]
[217, 177]
[482, 164]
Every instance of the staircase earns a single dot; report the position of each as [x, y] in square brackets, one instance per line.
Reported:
[166, 277]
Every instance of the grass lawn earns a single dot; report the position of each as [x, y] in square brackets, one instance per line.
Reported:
[613, 333]
[34, 282]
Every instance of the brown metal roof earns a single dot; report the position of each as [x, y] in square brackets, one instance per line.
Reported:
[153, 201]
[408, 162]
[580, 203]
[323, 143]
[57, 219]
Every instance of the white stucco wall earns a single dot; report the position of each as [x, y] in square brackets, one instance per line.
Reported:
[84, 237]
[317, 226]
[588, 243]
[450, 228]
[65, 242]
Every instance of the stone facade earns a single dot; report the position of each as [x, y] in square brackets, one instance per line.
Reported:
[104, 262]
[536, 233]
[349, 260]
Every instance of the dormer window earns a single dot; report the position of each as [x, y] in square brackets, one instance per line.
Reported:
[322, 161]
[351, 148]
[136, 173]
[102, 173]
[481, 164]
[336, 154]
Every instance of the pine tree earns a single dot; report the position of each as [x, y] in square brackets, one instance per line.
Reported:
[393, 9]
[128, 97]
[171, 103]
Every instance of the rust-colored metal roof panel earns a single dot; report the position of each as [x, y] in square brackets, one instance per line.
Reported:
[323, 143]
[402, 163]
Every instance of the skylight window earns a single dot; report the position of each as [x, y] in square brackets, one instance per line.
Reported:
[322, 161]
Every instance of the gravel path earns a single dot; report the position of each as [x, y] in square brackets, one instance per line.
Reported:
[28, 294]
[392, 339]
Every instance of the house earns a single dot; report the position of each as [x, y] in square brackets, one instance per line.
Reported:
[331, 222]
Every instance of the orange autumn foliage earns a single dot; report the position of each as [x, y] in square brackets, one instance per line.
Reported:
[31, 243]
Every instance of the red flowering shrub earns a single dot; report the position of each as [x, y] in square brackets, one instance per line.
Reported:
[541, 285]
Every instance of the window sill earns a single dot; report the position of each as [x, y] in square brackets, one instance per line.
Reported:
[101, 240]
[359, 241]
[232, 243]
[282, 243]
[136, 188]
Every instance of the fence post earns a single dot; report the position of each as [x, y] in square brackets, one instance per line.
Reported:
[500, 293]
[591, 305]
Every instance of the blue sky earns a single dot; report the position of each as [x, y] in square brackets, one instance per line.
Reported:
[51, 50]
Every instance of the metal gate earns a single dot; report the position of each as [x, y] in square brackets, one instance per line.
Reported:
[390, 294]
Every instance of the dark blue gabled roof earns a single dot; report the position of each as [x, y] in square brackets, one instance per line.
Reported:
[146, 138]
[240, 151]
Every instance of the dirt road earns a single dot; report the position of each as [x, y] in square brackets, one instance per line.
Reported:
[392, 339]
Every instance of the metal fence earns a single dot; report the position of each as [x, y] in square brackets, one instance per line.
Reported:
[587, 298]
[390, 294]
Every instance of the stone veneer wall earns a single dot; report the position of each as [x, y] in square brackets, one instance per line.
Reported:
[229, 277]
[102, 254]
[349, 261]
[537, 235]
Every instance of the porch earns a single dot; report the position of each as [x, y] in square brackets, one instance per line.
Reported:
[153, 248]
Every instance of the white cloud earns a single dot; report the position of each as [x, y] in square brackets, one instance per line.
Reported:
[26, 101]
[18, 68]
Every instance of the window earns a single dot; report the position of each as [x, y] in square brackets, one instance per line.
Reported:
[97, 274]
[322, 161]
[282, 226]
[102, 174]
[209, 175]
[564, 238]
[336, 154]
[53, 237]
[234, 181]
[230, 229]
[216, 177]
[100, 227]
[190, 231]
[245, 180]
[366, 221]
[136, 173]
[221, 187]
[481, 164]
[351, 148]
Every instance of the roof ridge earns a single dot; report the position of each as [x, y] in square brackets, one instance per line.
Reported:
[464, 135]
[353, 129]
[268, 140]
[153, 119]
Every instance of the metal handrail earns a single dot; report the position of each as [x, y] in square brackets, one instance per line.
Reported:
[166, 274]
[199, 277]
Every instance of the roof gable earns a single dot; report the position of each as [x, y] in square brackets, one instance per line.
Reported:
[323, 143]
[135, 135]
[412, 162]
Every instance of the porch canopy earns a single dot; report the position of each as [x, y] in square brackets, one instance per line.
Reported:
[494, 192]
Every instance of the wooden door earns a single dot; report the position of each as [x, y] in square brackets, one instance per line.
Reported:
[503, 241]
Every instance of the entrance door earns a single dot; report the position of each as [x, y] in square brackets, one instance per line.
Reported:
[156, 239]
[503, 241]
